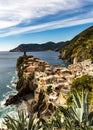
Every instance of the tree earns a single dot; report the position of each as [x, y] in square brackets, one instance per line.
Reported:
[86, 81]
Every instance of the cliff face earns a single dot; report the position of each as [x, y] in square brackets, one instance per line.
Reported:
[40, 47]
[25, 85]
[80, 47]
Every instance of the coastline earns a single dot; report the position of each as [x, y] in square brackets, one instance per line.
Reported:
[51, 83]
[36, 75]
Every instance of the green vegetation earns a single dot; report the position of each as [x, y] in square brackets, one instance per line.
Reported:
[24, 123]
[49, 90]
[69, 100]
[85, 82]
[78, 117]
[40, 47]
[80, 47]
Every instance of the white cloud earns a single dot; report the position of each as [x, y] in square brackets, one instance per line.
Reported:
[15, 12]
[5, 24]
[49, 26]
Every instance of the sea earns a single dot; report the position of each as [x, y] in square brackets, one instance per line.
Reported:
[9, 78]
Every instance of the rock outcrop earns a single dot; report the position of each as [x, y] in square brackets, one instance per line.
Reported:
[25, 85]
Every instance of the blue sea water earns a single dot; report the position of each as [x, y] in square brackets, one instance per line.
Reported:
[8, 75]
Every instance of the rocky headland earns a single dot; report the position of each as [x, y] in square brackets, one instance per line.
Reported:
[42, 87]
[48, 46]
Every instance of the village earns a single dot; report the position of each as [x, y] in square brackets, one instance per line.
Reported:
[55, 81]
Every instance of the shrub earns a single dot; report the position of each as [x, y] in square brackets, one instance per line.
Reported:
[49, 90]
[85, 82]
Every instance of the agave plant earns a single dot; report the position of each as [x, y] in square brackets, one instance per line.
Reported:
[13, 124]
[21, 123]
[24, 123]
[77, 117]
[81, 108]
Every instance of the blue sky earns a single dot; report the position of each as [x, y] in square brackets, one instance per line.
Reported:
[39, 21]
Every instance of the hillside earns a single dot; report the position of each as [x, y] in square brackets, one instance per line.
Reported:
[80, 47]
[40, 47]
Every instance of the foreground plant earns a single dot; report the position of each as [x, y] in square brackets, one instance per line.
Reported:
[78, 117]
[26, 123]
[21, 123]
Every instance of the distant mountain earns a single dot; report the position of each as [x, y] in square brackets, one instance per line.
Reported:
[40, 47]
[80, 47]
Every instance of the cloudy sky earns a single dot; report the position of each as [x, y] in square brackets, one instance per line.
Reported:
[38, 21]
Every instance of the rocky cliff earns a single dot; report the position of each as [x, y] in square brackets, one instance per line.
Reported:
[25, 85]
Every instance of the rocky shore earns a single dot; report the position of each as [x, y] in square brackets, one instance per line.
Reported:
[47, 86]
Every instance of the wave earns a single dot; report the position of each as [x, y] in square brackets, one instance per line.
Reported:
[11, 110]
[8, 86]
[13, 85]
[13, 92]
[9, 73]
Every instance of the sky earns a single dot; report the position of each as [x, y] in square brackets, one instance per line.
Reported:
[40, 21]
